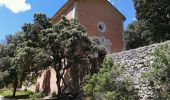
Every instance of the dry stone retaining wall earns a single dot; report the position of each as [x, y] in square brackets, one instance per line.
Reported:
[136, 62]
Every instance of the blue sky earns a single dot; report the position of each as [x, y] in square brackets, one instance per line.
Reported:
[14, 13]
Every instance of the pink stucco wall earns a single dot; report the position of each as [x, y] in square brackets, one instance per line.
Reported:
[46, 82]
[69, 13]
[90, 12]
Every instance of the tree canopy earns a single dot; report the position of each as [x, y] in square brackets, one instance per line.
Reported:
[41, 44]
[66, 43]
[152, 25]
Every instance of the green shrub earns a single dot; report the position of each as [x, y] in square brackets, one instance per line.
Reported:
[53, 94]
[37, 96]
[160, 75]
[109, 83]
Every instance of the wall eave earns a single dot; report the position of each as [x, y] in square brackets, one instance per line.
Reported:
[70, 3]
[123, 17]
[62, 10]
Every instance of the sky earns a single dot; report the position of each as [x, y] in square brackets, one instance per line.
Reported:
[14, 13]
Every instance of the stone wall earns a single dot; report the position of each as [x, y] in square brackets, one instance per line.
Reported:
[136, 62]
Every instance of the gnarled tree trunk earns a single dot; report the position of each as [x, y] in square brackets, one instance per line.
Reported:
[15, 84]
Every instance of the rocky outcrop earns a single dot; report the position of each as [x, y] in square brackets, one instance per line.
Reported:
[136, 62]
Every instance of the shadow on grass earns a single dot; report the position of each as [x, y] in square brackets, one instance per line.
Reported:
[66, 96]
[18, 97]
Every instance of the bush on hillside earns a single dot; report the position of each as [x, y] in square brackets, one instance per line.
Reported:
[109, 84]
[160, 73]
[137, 35]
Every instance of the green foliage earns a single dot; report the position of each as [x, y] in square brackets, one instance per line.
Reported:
[160, 74]
[137, 35]
[29, 80]
[161, 64]
[5, 64]
[37, 96]
[8, 72]
[109, 83]
[67, 43]
[22, 54]
[40, 45]
[132, 38]
[152, 25]
[53, 94]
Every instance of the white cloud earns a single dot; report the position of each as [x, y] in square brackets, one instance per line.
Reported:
[134, 19]
[112, 2]
[16, 6]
